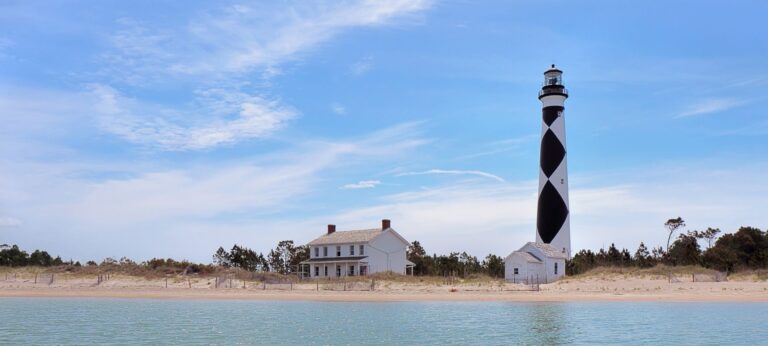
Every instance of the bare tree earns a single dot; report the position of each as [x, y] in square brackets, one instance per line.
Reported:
[673, 225]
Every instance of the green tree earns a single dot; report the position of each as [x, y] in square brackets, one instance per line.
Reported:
[493, 266]
[673, 225]
[276, 263]
[643, 258]
[13, 256]
[416, 254]
[222, 258]
[710, 235]
[685, 250]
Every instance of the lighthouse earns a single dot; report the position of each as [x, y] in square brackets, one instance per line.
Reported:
[543, 261]
[553, 217]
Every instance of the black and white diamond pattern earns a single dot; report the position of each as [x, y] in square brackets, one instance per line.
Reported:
[552, 218]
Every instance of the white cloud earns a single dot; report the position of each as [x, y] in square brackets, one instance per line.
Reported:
[502, 146]
[7, 221]
[255, 38]
[218, 52]
[338, 108]
[77, 208]
[5, 45]
[454, 172]
[497, 218]
[229, 117]
[363, 184]
[711, 106]
[361, 67]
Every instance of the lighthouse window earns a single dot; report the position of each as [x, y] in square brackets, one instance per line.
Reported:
[562, 181]
[516, 271]
[555, 268]
[552, 79]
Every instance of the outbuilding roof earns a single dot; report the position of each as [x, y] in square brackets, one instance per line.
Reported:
[549, 250]
[346, 237]
[529, 257]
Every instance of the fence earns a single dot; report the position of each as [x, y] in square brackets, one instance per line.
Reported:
[700, 277]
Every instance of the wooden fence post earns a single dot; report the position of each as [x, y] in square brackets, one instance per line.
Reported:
[35, 278]
[166, 282]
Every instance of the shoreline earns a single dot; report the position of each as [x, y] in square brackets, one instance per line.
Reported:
[378, 296]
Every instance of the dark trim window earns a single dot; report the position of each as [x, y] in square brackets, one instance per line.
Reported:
[338, 251]
[516, 272]
[555, 268]
[351, 271]
[325, 252]
[362, 250]
[317, 252]
[351, 250]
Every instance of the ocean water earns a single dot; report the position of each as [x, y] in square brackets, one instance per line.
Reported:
[135, 321]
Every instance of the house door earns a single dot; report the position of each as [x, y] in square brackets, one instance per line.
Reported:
[338, 270]
[363, 270]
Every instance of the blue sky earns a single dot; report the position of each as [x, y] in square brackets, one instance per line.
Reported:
[166, 128]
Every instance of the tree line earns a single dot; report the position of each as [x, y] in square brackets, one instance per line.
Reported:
[453, 264]
[12, 256]
[285, 258]
[746, 249]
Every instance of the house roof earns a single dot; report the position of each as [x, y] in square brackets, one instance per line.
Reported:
[346, 237]
[548, 250]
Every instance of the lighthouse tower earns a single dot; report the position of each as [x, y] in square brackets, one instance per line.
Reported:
[553, 217]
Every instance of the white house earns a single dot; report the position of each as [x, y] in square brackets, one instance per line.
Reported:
[535, 263]
[358, 252]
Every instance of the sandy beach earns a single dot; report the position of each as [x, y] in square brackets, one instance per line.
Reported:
[608, 287]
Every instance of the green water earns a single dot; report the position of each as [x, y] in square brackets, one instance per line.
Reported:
[134, 321]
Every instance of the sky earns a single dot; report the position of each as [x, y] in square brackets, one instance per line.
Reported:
[169, 128]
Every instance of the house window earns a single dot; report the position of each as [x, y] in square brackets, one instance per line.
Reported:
[362, 250]
[326, 270]
[338, 251]
[351, 271]
[338, 270]
[325, 251]
[317, 271]
[555, 268]
[317, 252]
[516, 272]
[351, 250]
[363, 270]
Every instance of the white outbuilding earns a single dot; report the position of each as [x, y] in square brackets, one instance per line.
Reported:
[535, 263]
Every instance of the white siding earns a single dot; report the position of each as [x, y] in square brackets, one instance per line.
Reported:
[387, 253]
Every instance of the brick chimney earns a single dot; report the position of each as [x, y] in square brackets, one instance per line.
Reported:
[331, 229]
[385, 224]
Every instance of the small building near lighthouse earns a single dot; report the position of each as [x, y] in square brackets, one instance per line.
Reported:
[535, 263]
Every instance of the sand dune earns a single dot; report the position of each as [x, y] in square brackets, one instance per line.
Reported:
[608, 287]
